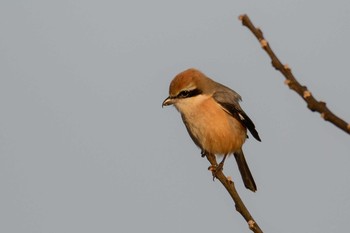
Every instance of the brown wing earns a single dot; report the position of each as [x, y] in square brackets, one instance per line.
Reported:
[229, 100]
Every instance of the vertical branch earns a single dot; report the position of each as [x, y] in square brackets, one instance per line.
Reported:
[230, 187]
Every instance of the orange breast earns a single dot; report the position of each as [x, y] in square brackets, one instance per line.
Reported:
[215, 130]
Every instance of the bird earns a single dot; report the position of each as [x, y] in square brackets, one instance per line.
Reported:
[213, 118]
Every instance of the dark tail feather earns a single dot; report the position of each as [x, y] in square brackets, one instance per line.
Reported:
[244, 170]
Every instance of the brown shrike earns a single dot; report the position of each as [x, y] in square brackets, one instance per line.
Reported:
[213, 118]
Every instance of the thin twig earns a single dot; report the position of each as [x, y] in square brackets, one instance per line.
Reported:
[230, 187]
[312, 103]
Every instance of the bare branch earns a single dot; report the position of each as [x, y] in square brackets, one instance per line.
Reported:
[312, 103]
[230, 187]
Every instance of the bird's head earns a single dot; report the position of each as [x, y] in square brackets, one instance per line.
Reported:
[188, 84]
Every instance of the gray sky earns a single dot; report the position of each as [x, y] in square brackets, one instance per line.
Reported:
[86, 147]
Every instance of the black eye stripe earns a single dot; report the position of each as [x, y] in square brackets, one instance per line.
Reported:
[190, 93]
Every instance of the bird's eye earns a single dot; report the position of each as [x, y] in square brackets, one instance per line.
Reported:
[189, 93]
[184, 94]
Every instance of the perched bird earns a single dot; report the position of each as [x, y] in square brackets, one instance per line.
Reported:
[213, 118]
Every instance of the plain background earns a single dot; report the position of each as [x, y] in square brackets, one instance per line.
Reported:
[86, 147]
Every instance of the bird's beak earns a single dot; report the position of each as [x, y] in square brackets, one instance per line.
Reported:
[168, 101]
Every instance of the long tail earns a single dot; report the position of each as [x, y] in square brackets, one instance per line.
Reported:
[244, 170]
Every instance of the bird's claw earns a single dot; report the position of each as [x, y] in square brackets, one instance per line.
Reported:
[215, 169]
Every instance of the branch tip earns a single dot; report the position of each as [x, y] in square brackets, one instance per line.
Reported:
[291, 81]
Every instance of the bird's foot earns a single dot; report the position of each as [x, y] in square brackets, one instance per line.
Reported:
[215, 169]
[203, 153]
